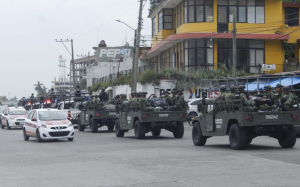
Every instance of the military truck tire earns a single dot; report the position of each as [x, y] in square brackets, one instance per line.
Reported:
[287, 139]
[139, 130]
[2, 126]
[249, 141]
[178, 130]
[110, 127]
[80, 127]
[237, 137]
[156, 132]
[8, 127]
[198, 138]
[118, 131]
[93, 125]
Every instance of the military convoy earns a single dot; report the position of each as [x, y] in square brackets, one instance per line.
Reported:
[228, 117]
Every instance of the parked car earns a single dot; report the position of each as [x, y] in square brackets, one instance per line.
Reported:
[2, 108]
[13, 117]
[47, 124]
[193, 107]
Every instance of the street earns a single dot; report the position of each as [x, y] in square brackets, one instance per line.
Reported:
[101, 159]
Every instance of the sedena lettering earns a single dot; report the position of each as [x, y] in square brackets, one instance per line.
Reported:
[163, 115]
[271, 116]
[112, 113]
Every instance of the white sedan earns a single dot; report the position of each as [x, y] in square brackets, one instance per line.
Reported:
[13, 117]
[47, 124]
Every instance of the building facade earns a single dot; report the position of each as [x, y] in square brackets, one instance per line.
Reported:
[196, 34]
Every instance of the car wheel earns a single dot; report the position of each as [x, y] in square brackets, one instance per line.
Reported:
[118, 131]
[38, 136]
[70, 139]
[237, 137]
[198, 138]
[26, 138]
[2, 126]
[8, 127]
[192, 114]
[156, 132]
[80, 127]
[110, 127]
[178, 130]
[287, 139]
[139, 130]
[93, 126]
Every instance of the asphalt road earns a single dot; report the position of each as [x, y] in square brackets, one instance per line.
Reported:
[102, 159]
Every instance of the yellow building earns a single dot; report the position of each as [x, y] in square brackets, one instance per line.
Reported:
[195, 34]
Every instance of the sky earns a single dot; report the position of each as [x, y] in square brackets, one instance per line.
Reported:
[28, 29]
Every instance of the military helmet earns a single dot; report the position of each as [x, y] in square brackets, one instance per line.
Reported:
[279, 86]
[241, 87]
[233, 88]
[166, 92]
[180, 90]
[103, 89]
[138, 93]
[117, 96]
[223, 88]
[286, 88]
[143, 93]
[133, 93]
[174, 91]
[123, 95]
[268, 87]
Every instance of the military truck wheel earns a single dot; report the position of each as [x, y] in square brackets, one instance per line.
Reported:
[198, 138]
[249, 141]
[139, 130]
[2, 126]
[237, 137]
[110, 127]
[156, 132]
[118, 131]
[93, 125]
[287, 139]
[80, 127]
[178, 130]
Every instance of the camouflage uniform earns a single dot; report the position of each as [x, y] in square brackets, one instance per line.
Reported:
[277, 96]
[287, 100]
[223, 93]
[174, 98]
[167, 99]
[145, 105]
[268, 94]
[180, 103]
[246, 103]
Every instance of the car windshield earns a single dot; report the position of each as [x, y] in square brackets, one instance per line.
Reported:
[2, 110]
[18, 112]
[51, 115]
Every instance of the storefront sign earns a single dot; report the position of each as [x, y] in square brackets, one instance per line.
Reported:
[114, 54]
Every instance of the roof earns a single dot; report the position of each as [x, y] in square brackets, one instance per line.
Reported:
[175, 38]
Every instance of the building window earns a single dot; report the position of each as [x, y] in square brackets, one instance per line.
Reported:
[199, 11]
[160, 21]
[153, 26]
[168, 18]
[246, 11]
[250, 54]
[292, 16]
[199, 54]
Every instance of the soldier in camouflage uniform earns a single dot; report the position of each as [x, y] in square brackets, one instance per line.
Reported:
[277, 96]
[269, 95]
[222, 95]
[287, 100]
[173, 98]
[180, 103]
[145, 105]
[247, 107]
[138, 96]
[231, 95]
[123, 98]
[133, 96]
[167, 98]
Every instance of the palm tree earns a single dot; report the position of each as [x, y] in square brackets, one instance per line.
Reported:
[40, 89]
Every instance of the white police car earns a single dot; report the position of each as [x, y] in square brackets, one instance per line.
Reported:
[47, 124]
[13, 117]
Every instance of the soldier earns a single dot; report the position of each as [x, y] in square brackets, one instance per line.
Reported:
[167, 98]
[222, 95]
[231, 95]
[77, 92]
[123, 98]
[180, 103]
[138, 96]
[247, 106]
[173, 98]
[133, 96]
[146, 106]
[287, 100]
[268, 94]
[103, 95]
[277, 96]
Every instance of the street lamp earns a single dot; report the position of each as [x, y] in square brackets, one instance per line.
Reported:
[134, 51]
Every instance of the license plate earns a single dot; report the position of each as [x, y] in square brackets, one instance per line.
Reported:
[21, 123]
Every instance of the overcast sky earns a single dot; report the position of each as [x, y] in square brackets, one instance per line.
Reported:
[29, 28]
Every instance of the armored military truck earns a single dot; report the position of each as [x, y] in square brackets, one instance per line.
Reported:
[221, 118]
[132, 116]
[95, 115]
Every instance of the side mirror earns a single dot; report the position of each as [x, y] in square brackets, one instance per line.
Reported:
[33, 119]
[5, 114]
[200, 108]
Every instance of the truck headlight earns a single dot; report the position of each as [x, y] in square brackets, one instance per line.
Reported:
[44, 125]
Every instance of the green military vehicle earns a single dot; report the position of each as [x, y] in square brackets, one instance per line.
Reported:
[132, 116]
[221, 118]
[95, 115]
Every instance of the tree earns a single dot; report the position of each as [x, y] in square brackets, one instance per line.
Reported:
[82, 84]
[40, 89]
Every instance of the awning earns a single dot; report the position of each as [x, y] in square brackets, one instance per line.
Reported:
[288, 81]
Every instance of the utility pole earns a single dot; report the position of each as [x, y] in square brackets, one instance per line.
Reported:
[133, 62]
[137, 52]
[234, 56]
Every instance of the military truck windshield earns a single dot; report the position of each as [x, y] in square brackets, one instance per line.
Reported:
[51, 115]
[18, 112]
